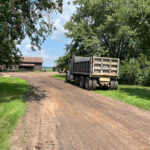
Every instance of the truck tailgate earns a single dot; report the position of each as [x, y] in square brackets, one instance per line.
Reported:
[105, 66]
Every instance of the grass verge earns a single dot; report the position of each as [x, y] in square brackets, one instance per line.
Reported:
[135, 95]
[48, 69]
[12, 107]
[59, 76]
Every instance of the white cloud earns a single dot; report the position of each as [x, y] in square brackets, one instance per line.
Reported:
[59, 33]
[48, 54]
[61, 19]
[28, 45]
[24, 42]
[48, 58]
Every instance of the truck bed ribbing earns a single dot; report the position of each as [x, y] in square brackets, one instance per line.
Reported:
[95, 66]
[93, 71]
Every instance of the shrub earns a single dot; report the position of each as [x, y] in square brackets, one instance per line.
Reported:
[135, 71]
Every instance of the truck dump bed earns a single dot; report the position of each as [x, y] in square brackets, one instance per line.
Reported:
[95, 66]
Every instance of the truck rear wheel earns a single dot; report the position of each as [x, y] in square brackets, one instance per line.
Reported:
[82, 82]
[66, 78]
[94, 84]
[77, 80]
[88, 83]
[114, 85]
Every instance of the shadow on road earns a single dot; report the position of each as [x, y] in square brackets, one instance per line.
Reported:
[35, 95]
[10, 92]
[142, 93]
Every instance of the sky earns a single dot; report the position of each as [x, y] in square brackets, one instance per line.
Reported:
[54, 45]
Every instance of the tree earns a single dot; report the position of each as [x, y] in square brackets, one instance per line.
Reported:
[62, 62]
[21, 18]
[114, 28]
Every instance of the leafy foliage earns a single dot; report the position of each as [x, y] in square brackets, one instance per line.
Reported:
[110, 28]
[62, 63]
[113, 28]
[135, 71]
[20, 18]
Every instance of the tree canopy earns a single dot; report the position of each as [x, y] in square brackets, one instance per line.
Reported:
[21, 18]
[114, 28]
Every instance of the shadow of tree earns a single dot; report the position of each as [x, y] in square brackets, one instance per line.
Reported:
[35, 95]
[143, 93]
[12, 91]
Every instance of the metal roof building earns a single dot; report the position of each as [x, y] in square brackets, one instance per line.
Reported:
[26, 64]
[31, 64]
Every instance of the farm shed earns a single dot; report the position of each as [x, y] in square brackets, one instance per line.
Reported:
[31, 64]
[26, 64]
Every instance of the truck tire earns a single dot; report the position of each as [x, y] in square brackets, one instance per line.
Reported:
[66, 78]
[94, 84]
[116, 85]
[88, 83]
[112, 85]
[76, 80]
[82, 82]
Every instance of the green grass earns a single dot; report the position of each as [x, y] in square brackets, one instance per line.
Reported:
[59, 76]
[12, 107]
[48, 69]
[135, 95]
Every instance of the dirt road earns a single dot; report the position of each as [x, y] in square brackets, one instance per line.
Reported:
[61, 116]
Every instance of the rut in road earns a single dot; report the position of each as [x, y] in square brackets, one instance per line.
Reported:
[61, 116]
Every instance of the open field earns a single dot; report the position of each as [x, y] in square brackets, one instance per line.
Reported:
[12, 107]
[48, 69]
[135, 95]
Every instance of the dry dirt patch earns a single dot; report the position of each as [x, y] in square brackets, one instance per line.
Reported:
[61, 116]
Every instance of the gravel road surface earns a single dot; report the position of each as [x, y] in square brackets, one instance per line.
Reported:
[61, 116]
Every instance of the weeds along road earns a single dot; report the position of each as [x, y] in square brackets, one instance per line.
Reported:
[61, 116]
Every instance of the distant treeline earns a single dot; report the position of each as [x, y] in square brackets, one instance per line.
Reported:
[47, 69]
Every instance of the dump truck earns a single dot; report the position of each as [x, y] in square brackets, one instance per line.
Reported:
[93, 72]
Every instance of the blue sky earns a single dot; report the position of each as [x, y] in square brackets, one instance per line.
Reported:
[54, 45]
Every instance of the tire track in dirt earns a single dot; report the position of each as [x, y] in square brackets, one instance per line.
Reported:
[38, 130]
[61, 116]
[106, 127]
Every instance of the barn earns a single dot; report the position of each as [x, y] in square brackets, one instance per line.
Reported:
[31, 64]
[26, 64]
